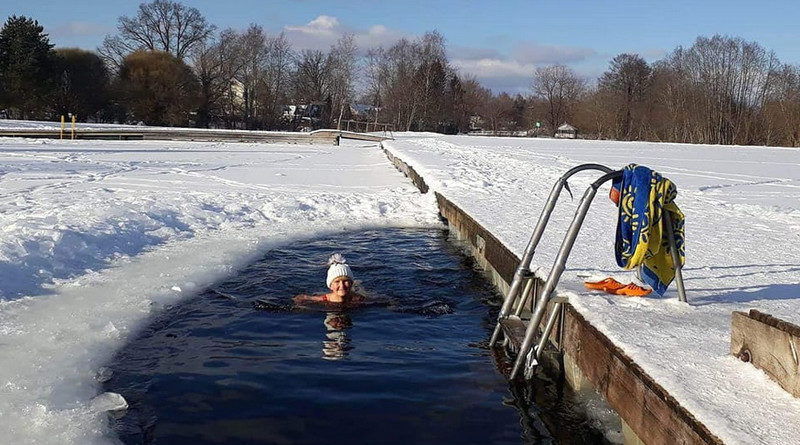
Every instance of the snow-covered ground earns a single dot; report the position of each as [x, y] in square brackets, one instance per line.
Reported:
[95, 236]
[742, 207]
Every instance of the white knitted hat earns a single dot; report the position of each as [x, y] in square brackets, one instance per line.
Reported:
[338, 268]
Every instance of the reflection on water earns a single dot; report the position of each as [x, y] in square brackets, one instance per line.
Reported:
[336, 344]
[240, 363]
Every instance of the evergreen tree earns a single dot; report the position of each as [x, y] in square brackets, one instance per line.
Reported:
[82, 83]
[26, 68]
[517, 115]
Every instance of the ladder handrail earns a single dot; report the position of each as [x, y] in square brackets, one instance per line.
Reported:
[558, 268]
[676, 261]
[523, 269]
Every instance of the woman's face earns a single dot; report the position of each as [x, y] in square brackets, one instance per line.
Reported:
[341, 286]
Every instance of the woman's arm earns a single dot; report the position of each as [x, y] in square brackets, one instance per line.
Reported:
[302, 297]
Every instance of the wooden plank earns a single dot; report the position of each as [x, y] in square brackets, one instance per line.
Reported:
[770, 344]
[652, 413]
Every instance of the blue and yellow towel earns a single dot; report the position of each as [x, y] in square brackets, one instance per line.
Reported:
[641, 238]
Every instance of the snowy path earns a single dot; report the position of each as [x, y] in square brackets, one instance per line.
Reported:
[95, 236]
[743, 226]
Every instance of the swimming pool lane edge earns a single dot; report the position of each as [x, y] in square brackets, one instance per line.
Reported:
[588, 358]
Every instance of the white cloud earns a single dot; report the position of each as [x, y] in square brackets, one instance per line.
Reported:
[501, 72]
[323, 24]
[324, 31]
[498, 75]
[514, 73]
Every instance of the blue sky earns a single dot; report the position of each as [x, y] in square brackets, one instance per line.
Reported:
[500, 42]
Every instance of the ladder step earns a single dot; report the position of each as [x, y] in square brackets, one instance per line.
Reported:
[514, 330]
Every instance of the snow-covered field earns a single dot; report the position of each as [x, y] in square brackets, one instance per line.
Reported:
[742, 207]
[96, 236]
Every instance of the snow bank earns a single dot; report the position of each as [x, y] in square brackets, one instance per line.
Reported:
[742, 228]
[96, 236]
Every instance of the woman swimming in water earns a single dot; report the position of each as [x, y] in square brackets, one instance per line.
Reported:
[340, 282]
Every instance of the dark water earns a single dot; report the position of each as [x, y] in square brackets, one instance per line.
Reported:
[412, 368]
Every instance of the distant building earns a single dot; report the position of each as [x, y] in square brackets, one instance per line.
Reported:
[288, 112]
[362, 112]
[567, 131]
[237, 92]
[475, 123]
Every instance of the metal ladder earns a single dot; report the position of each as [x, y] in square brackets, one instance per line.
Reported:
[524, 275]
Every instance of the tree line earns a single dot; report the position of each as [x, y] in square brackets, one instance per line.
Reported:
[166, 65]
[721, 90]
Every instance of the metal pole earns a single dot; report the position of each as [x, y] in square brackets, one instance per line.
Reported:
[521, 305]
[525, 262]
[518, 312]
[676, 261]
[558, 269]
[526, 295]
[548, 327]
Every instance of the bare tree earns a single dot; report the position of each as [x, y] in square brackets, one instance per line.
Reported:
[626, 84]
[559, 87]
[280, 62]
[732, 78]
[251, 53]
[398, 68]
[431, 74]
[411, 78]
[373, 76]
[342, 72]
[496, 110]
[474, 96]
[312, 81]
[781, 114]
[162, 25]
[214, 66]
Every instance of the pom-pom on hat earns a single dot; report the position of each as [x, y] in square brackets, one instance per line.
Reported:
[337, 267]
